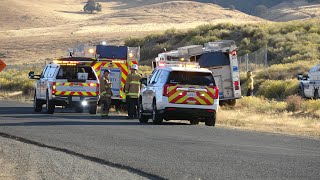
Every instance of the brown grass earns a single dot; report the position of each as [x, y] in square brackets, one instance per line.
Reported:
[283, 123]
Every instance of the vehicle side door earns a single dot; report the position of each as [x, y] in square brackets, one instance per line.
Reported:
[42, 82]
[51, 76]
[148, 94]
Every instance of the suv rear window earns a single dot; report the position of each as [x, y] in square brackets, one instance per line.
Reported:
[70, 72]
[191, 78]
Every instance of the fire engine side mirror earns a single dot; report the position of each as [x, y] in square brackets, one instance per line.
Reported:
[143, 81]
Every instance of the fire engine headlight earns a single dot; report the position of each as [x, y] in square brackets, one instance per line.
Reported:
[84, 103]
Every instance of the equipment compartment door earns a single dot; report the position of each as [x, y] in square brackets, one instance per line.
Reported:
[115, 78]
[218, 80]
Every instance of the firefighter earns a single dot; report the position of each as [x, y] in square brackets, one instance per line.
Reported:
[132, 90]
[250, 83]
[105, 93]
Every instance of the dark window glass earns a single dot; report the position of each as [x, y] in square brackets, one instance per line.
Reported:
[71, 72]
[112, 52]
[214, 59]
[191, 78]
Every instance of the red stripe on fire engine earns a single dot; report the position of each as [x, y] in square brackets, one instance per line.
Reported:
[80, 93]
[89, 94]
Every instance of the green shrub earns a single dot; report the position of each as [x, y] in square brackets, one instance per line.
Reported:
[278, 89]
[260, 104]
[288, 42]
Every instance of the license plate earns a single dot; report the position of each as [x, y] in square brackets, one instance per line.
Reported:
[191, 94]
[75, 98]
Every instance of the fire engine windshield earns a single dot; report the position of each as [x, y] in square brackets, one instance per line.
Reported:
[191, 78]
[214, 59]
[76, 73]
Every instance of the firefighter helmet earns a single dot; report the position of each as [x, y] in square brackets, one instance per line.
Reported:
[135, 67]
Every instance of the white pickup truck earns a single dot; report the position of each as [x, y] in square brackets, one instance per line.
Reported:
[66, 82]
[310, 84]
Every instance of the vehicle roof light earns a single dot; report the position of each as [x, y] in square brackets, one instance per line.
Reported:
[131, 55]
[233, 53]
[91, 51]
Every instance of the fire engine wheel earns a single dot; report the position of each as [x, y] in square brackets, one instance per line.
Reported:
[232, 102]
[316, 94]
[49, 105]
[301, 92]
[37, 104]
[93, 109]
[156, 117]
[194, 122]
[142, 118]
[78, 108]
[211, 121]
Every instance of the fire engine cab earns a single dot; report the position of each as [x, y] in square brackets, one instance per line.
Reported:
[178, 90]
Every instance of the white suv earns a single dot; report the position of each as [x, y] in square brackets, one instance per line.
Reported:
[176, 93]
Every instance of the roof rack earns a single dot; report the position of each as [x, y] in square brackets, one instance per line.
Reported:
[223, 45]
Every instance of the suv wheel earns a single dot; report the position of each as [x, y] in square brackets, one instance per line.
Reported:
[211, 121]
[93, 109]
[142, 118]
[49, 105]
[156, 117]
[37, 104]
[194, 122]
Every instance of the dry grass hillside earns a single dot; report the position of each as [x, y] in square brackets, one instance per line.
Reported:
[32, 30]
[288, 11]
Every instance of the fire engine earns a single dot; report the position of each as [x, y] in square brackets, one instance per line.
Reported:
[219, 57]
[118, 59]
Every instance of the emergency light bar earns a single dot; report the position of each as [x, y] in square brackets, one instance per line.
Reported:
[177, 64]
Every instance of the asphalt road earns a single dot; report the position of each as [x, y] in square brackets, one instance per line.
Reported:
[171, 150]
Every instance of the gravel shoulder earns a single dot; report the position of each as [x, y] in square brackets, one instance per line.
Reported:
[24, 161]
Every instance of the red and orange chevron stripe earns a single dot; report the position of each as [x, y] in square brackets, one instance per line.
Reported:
[198, 98]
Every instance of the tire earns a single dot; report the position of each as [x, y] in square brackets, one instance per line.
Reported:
[211, 121]
[156, 117]
[232, 102]
[37, 104]
[93, 109]
[142, 118]
[49, 105]
[316, 94]
[194, 122]
[301, 92]
[78, 108]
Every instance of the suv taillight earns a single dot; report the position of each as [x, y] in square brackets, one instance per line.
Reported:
[236, 85]
[216, 92]
[54, 88]
[165, 89]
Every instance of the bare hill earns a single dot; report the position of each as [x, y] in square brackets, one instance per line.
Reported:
[288, 11]
[39, 29]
